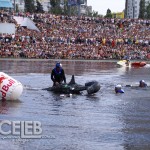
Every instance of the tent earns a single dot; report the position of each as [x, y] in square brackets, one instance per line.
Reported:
[26, 22]
[7, 28]
[5, 4]
[18, 19]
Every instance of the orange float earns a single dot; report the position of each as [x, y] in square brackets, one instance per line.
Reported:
[138, 64]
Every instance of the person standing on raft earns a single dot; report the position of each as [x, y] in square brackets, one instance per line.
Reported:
[58, 75]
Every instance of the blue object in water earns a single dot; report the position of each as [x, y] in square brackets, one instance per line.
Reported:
[120, 91]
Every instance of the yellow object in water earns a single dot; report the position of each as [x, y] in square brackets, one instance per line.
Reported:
[122, 63]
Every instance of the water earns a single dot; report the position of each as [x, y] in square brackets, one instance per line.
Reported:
[103, 121]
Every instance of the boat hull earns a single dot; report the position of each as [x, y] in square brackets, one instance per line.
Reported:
[123, 63]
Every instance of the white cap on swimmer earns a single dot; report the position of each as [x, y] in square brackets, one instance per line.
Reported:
[142, 81]
[118, 89]
[118, 86]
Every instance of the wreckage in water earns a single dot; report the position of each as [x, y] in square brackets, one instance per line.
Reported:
[74, 88]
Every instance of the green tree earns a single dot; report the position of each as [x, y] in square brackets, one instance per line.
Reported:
[148, 11]
[17, 8]
[39, 7]
[54, 3]
[95, 13]
[55, 7]
[108, 14]
[29, 6]
[142, 10]
[66, 8]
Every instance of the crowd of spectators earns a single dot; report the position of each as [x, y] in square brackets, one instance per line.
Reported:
[72, 37]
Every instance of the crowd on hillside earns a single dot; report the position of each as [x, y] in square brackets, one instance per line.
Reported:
[72, 37]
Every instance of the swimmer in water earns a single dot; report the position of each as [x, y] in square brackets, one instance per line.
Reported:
[118, 89]
[142, 84]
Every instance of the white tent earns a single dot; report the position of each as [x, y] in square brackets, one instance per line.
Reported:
[26, 22]
[18, 19]
[7, 28]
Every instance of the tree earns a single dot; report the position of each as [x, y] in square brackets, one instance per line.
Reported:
[108, 14]
[95, 14]
[148, 11]
[53, 3]
[55, 7]
[142, 10]
[29, 6]
[39, 7]
[66, 8]
[17, 8]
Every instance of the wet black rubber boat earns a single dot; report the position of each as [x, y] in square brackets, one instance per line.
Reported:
[74, 88]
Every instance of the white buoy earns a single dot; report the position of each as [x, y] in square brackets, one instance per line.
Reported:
[10, 89]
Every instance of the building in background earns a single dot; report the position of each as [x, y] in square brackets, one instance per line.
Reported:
[80, 4]
[132, 8]
[89, 9]
[84, 9]
[45, 4]
[20, 4]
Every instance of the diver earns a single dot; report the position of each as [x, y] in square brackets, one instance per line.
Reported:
[58, 75]
[118, 89]
[142, 84]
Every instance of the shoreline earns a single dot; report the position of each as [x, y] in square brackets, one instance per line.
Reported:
[37, 59]
[85, 60]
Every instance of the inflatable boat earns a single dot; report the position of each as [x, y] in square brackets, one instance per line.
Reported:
[74, 88]
[138, 64]
[124, 63]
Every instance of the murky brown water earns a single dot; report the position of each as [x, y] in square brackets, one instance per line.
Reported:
[102, 121]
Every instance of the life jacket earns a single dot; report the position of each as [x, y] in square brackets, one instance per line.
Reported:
[58, 72]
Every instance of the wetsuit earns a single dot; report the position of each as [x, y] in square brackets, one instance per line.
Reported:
[143, 85]
[58, 76]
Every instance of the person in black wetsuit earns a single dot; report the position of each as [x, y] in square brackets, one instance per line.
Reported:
[58, 75]
[142, 84]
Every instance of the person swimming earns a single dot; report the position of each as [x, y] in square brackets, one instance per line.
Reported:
[118, 89]
[142, 83]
